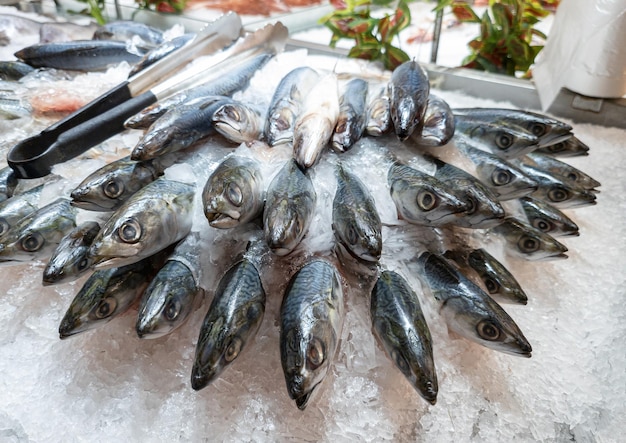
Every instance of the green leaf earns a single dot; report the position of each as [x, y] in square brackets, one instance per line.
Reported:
[502, 17]
[486, 27]
[365, 51]
[464, 13]
[394, 57]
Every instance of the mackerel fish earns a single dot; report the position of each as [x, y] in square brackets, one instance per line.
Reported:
[408, 98]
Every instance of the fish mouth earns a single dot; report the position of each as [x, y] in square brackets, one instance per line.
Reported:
[227, 219]
[553, 139]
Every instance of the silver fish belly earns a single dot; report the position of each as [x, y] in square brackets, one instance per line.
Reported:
[316, 122]
[110, 186]
[155, 217]
[71, 257]
[399, 323]
[356, 222]
[468, 310]
[439, 125]
[288, 210]
[408, 93]
[234, 193]
[232, 320]
[378, 114]
[311, 318]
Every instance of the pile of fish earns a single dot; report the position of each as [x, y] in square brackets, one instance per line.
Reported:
[237, 189]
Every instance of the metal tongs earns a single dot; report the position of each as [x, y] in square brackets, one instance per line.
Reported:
[105, 116]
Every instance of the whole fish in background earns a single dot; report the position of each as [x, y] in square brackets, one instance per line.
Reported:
[507, 180]
[468, 310]
[179, 128]
[13, 27]
[399, 323]
[234, 193]
[106, 294]
[158, 215]
[156, 54]
[232, 320]
[529, 243]
[547, 218]
[569, 148]
[17, 207]
[125, 30]
[316, 122]
[556, 191]
[8, 183]
[568, 173]
[286, 104]
[12, 109]
[484, 209]
[504, 141]
[37, 235]
[238, 123]
[352, 115]
[356, 222]
[173, 292]
[548, 130]
[499, 282]
[423, 199]
[110, 186]
[438, 126]
[228, 79]
[71, 257]
[78, 55]
[378, 114]
[408, 98]
[290, 202]
[311, 319]
[13, 70]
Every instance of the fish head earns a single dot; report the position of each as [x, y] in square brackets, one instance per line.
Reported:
[235, 121]
[498, 281]
[100, 192]
[67, 264]
[224, 334]
[232, 196]
[361, 236]
[484, 211]
[530, 243]
[405, 117]
[284, 227]
[306, 358]
[167, 302]
[508, 181]
[570, 147]
[311, 135]
[563, 195]
[547, 218]
[504, 141]
[280, 126]
[422, 199]
[134, 235]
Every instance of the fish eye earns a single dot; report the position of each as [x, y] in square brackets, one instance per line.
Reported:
[232, 113]
[32, 242]
[557, 147]
[113, 188]
[501, 177]
[351, 235]
[504, 140]
[491, 285]
[527, 244]
[253, 312]
[426, 200]
[172, 310]
[558, 194]
[129, 231]
[400, 361]
[106, 307]
[82, 264]
[233, 349]
[538, 129]
[542, 224]
[487, 330]
[315, 354]
[573, 176]
[234, 194]
[4, 226]
[472, 205]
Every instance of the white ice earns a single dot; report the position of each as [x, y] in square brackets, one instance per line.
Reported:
[108, 385]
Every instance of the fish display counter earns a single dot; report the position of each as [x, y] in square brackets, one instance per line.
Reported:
[101, 378]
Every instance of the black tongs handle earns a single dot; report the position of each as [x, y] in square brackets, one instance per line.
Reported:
[63, 145]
